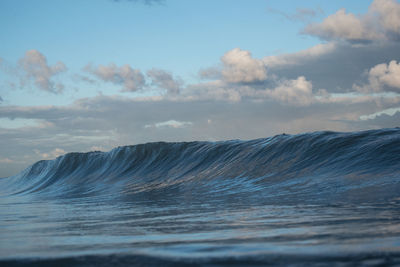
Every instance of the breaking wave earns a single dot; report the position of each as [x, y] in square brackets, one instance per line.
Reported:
[315, 167]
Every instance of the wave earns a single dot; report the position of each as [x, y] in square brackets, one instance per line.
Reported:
[312, 167]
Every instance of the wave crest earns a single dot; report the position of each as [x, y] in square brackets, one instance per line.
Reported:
[312, 167]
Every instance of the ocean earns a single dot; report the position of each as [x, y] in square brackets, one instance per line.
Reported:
[321, 198]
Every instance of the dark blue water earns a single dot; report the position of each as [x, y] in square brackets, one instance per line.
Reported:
[320, 198]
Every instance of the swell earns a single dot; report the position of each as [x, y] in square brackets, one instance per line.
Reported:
[319, 166]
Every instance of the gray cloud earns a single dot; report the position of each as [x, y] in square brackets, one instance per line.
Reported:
[381, 22]
[35, 66]
[164, 80]
[334, 67]
[326, 73]
[102, 122]
[327, 69]
[83, 78]
[211, 73]
[297, 92]
[301, 14]
[131, 79]
[298, 58]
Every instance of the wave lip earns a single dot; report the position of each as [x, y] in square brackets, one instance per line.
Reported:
[312, 167]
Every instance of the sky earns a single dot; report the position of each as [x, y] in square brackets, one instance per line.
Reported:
[85, 75]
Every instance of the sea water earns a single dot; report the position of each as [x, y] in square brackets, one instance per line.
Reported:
[320, 198]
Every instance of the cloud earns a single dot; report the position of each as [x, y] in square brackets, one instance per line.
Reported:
[211, 73]
[331, 69]
[381, 120]
[297, 92]
[299, 57]
[214, 90]
[241, 67]
[19, 123]
[389, 112]
[388, 12]
[238, 66]
[332, 66]
[169, 124]
[131, 79]
[294, 92]
[35, 66]
[243, 97]
[101, 121]
[301, 14]
[342, 25]
[381, 22]
[50, 154]
[6, 160]
[83, 78]
[164, 80]
[382, 77]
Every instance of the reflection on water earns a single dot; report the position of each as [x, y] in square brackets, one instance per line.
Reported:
[32, 228]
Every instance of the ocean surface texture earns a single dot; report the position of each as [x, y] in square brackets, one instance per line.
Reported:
[317, 198]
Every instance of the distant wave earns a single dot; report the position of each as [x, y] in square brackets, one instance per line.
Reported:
[317, 167]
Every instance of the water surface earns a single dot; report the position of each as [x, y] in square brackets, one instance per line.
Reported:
[318, 198]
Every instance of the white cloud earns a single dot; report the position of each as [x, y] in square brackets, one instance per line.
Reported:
[169, 124]
[131, 79]
[343, 25]
[241, 67]
[382, 77]
[381, 22]
[296, 92]
[35, 66]
[388, 12]
[389, 111]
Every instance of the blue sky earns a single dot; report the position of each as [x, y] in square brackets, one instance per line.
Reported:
[94, 74]
[180, 36]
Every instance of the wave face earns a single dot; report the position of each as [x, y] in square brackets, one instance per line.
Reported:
[198, 196]
[321, 166]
